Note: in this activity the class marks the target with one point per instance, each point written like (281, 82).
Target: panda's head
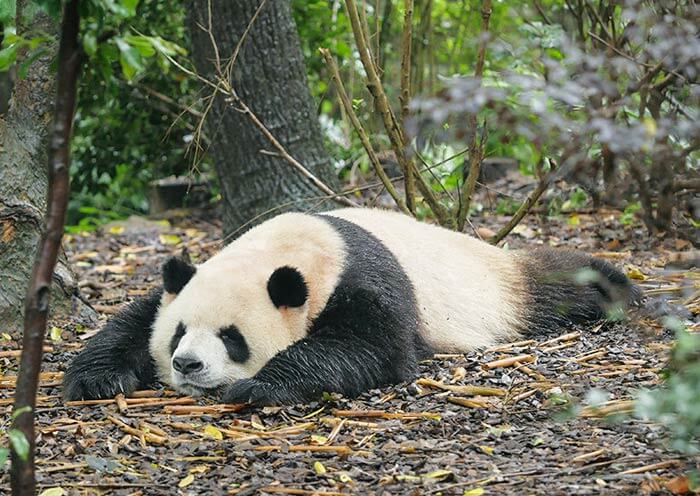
(222, 321)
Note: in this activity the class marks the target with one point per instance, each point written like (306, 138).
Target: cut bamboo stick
(509, 362)
(468, 390)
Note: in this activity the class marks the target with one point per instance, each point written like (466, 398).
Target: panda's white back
(470, 294)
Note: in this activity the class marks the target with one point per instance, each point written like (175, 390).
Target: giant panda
(343, 301)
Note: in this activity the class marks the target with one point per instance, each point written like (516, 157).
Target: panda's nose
(187, 365)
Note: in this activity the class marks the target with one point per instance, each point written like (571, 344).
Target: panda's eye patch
(175, 340)
(236, 347)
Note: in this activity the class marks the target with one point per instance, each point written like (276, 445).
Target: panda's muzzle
(187, 365)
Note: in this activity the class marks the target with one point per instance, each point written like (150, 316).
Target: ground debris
(513, 419)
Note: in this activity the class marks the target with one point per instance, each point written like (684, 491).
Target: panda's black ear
(287, 288)
(176, 273)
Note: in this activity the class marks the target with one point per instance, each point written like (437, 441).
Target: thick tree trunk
(23, 187)
(269, 76)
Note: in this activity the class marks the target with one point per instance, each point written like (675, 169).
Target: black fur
(567, 287)
(287, 288)
(176, 273)
(236, 347)
(366, 337)
(117, 359)
(180, 331)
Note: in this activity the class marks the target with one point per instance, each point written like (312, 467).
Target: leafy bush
(676, 405)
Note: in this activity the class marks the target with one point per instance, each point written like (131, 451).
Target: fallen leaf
(679, 485)
(487, 449)
(186, 481)
(317, 439)
(116, 230)
(438, 474)
(478, 491)
(170, 239)
(635, 273)
(213, 432)
(56, 334)
(319, 468)
(53, 491)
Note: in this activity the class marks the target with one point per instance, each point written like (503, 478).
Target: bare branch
(405, 96)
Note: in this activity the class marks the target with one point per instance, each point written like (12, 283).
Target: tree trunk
(23, 187)
(270, 77)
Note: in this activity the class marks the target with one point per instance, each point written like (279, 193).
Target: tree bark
(23, 187)
(270, 77)
(37, 301)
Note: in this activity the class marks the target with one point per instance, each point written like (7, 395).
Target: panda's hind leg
(117, 359)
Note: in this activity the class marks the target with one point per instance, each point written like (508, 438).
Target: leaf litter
(507, 420)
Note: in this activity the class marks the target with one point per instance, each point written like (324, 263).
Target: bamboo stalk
(360, 130)
(381, 103)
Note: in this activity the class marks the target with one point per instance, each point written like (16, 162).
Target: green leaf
(4, 453)
(130, 6)
(8, 55)
(129, 58)
(8, 9)
(19, 443)
(20, 411)
(90, 44)
(142, 44)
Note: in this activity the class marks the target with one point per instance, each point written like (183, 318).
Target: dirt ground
(468, 425)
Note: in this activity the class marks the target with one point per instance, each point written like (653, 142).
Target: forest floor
(537, 424)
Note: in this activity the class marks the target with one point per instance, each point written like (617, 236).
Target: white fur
(231, 288)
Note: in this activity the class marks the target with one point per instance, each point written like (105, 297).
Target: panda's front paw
(251, 391)
(90, 385)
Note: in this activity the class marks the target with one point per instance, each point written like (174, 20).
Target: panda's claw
(250, 391)
(88, 386)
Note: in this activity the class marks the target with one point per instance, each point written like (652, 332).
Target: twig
(649, 468)
(469, 403)
(532, 198)
(386, 415)
(244, 109)
(360, 130)
(36, 309)
(509, 362)
(476, 150)
(609, 408)
(470, 390)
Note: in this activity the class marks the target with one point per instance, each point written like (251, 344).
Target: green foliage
(676, 405)
(130, 126)
(629, 216)
(125, 135)
(19, 443)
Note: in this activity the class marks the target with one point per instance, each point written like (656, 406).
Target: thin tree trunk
(37, 301)
(270, 77)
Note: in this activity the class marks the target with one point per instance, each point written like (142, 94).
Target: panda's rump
(469, 294)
